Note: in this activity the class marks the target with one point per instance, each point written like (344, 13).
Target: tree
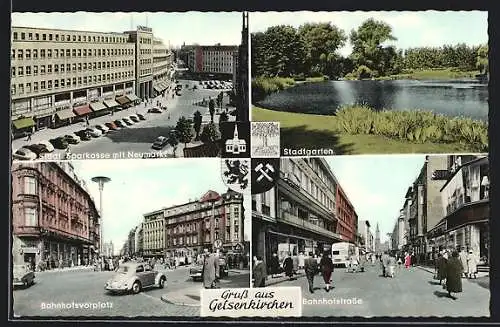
(223, 118)
(197, 123)
(210, 134)
(173, 142)
(211, 109)
(263, 130)
(183, 131)
(482, 62)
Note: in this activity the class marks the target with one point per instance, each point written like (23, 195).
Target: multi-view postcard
(372, 82)
(126, 85)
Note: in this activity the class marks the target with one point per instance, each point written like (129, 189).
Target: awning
(122, 100)
(65, 114)
(111, 103)
(96, 106)
(23, 123)
(82, 110)
(163, 86)
(132, 97)
(157, 88)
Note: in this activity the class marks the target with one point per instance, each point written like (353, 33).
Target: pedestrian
(413, 258)
(326, 265)
(210, 272)
(259, 272)
(29, 137)
(311, 269)
(384, 261)
(454, 275)
(463, 260)
(68, 153)
(472, 262)
(407, 260)
(302, 258)
(441, 268)
(288, 266)
(275, 265)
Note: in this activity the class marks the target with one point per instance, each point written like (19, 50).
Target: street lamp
(100, 180)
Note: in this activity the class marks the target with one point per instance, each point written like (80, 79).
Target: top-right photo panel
(342, 83)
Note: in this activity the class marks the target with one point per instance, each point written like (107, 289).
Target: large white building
(211, 59)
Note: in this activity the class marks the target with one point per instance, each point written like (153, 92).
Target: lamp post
(100, 180)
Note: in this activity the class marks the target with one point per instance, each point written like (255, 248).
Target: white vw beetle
(134, 276)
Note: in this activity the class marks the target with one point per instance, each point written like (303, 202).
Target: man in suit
(210, 269)
(311, 269)
(259, 272)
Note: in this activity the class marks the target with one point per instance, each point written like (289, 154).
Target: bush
(263, 86)
(414, 126)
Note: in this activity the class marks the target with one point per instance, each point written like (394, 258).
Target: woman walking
(441, 268)
(326, 265)
(454, 275)
(288, 266)
(407, 260)
(472, 262)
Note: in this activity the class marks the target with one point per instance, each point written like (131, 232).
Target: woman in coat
(288, 266)
(259, 272)
(326, 266)
(472, 262)
(454, 275)
(407, 260)
(440, 268)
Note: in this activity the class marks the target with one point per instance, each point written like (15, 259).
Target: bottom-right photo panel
(377, 236)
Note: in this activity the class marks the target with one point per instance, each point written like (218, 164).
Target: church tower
(377, 240)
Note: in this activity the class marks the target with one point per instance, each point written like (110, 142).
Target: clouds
(376, 185)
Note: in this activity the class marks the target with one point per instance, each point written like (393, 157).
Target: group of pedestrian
(388, 264)
(451, 269)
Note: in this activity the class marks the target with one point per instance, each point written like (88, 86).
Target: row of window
(146, 51)
(68, 53)
(146, 71)
(31, 220)
(144, 40)
(68, 68)
(30, 36)
(146, 61)
(21, 88)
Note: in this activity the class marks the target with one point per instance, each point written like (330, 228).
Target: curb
(274, 281)
(166, 300)
(64, 270)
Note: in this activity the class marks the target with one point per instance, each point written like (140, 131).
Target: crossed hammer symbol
(264, 172)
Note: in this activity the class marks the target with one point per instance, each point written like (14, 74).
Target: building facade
(347, 218)
(108, 249)
(62, 76)
(368, 241)
(54, 218)
(153, 233)
(299, 214)
(210, 59)
(138, 238)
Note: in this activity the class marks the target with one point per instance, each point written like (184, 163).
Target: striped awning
(111, 103)
(23, 123)
(132, 97)
(123, 100)
(65, 114)
(82, 110)
(96, 106)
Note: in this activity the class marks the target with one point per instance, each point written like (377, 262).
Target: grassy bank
(264, 86)
(434, 74)
(359, 130)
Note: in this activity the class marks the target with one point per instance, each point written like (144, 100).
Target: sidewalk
(75, 268)
(431, 270)
(282, 278)
(187, 297)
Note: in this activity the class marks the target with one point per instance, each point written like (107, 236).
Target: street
(411, 293)
(88, 287)
(135, 140)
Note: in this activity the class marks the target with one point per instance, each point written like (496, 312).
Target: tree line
(312, 50)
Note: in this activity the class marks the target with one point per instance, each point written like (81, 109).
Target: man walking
(311, 269)
(259, 272)
(210, 271)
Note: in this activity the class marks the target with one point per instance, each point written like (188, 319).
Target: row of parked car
(34, 151)
(215, 84)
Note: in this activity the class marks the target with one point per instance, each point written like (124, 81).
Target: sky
(376, 185)
(411, 28)
(140, 186)
(205, 28)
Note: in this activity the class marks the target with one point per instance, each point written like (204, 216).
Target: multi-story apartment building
(347, 218)
(368, 241)
(61, 76)
(398, 232)
(131, 242)
(210, 59)
(108, 249)
(465, 207)
(54, 218)
(163, 60)
(138, 246)
(153, 231)
(299, 213)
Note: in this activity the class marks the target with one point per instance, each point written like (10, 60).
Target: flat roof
(63, 30)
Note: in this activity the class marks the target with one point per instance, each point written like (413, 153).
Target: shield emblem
(265, 174)
(235, 174)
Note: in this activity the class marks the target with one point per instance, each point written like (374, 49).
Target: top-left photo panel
(126, 85)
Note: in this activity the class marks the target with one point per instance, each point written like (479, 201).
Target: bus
(341, 253)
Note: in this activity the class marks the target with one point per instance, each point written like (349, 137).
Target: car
(24, 154)
(155, 110)
(120, 123)
(48, 145)
(196, 270)
(134, 276)
(83, 134)
(103, 128)
(127, 121)
(141, 116)
(59, 142)
(112, 126)
(22, 275)
(134, 118)
(94, 132)
(37, 149)
(72, 139)
(160, 143)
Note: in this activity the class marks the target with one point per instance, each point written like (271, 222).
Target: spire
(235, 132)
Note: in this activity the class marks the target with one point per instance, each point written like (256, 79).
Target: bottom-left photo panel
(124, 238)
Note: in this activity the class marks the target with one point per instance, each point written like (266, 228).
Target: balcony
(26, 230)
(302, 223)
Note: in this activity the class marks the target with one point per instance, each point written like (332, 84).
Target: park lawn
(435, 74)
(317, 131)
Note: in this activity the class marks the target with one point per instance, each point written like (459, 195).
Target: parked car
(120, 123)
(24, 154)
(134, 118)
(59, 142)
(141, 116)
(48, 145)
(126, 121)
(112, 126)
(103, 128)
(155, 110)
(37, 149)
(160, 143)
(196, 271)
(83, 134)
(23, 275)
(94, 132)
(72, 139)
(133, 277)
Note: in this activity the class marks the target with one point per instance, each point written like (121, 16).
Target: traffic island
(189, 297)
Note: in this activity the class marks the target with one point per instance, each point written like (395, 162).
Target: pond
(452, 97)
